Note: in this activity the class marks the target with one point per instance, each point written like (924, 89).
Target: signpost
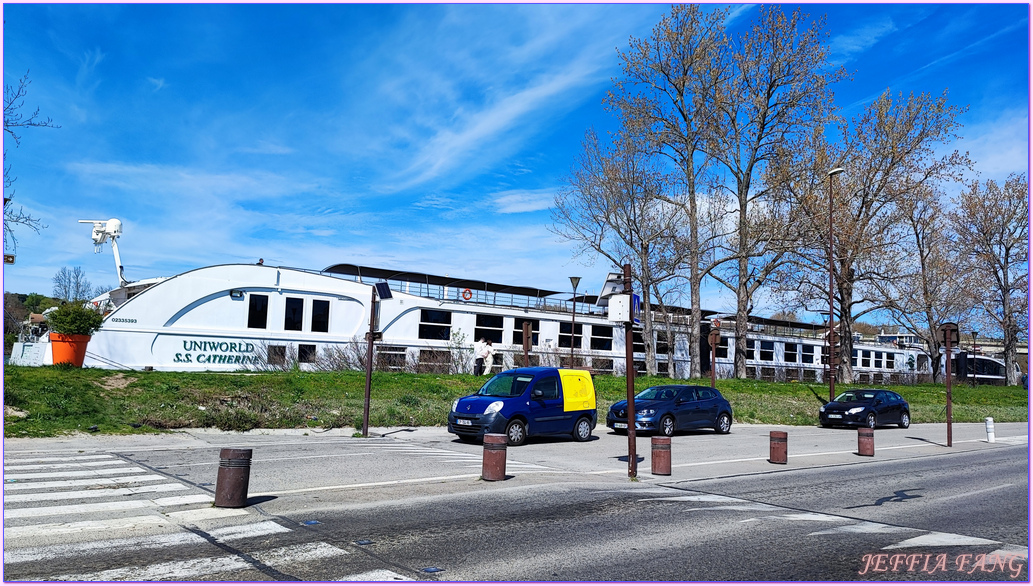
(629, 361)
(949, 335)
(714, 339)
(372, 336)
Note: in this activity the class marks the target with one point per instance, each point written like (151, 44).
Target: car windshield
(657, 394)
(505, 385)
(856, 396)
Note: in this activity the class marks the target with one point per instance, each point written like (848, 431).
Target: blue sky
(428, 138)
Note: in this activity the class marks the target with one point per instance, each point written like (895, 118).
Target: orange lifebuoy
(467, 294)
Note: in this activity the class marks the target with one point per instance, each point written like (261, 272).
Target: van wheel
(516, 433)
(583, 430)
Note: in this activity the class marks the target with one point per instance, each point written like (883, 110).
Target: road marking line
(376, 576)
(1011, 550)
(97, 493)
(250, 530)
(222, 534)
(967, 494)
(194, 515)
(71, 473)
(62, 466)
(369, 484)
(935, 538)
(305, 552)
(84, 526)
(865, 527)
(105, 506)
(180, 569)
(35, 554)
(254, 461)
(9, 486)
(704, 498)
(69, 458)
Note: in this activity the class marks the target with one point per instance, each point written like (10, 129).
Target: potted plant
(71, 326)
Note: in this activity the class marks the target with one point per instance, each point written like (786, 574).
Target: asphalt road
(409, 504)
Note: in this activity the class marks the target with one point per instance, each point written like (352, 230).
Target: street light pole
(832, 268)
(573, 315)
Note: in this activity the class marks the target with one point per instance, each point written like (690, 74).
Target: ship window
(889, 360)
(722, 348)
(808, 354)
(489, 327)
(790, 352)
(662, 345)
(767, 350)
(564, 341)
(435, 324)
(602, 338)
(306, 352)
(293, 314)
(518, 331)
(638, 345)
(320, 315)
(276, 355)
(257, 311)
(878, 360)
(866, 358)
(751, 353)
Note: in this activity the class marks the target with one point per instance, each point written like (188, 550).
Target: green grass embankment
(54, 400)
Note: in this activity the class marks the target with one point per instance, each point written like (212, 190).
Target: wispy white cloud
(524, 200)
(157, 83)
(844, 48)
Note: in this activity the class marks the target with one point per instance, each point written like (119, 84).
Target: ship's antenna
(102, 231)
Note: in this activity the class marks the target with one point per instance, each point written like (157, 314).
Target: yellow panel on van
(578, 390)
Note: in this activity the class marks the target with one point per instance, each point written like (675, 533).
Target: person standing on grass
(478, 353)
(489, 357)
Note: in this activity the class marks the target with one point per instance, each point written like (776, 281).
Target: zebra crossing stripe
(223, 534)
(182, 569)
(89, 494)
(71, 473)
(44, 529)
(107, 506)
(194, 515)
(935, 539)
(59, 459)
(376, 576)
(865, 527)
(59, 466)
(10, 486)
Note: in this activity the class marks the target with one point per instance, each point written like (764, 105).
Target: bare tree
(889, 153)
(774, 85)
(72, 285)
(612, 207)
(14, 120)
(667, 94)
(926, 293)
(992, 224)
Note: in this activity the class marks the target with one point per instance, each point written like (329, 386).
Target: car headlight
(493, 408)
(647, 413)
(820, 409)
(455, 405)
(855, 410)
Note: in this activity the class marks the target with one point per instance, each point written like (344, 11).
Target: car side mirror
(537, 393)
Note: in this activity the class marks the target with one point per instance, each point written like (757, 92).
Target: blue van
(527, 402)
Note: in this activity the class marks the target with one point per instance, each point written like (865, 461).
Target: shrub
(74, 319)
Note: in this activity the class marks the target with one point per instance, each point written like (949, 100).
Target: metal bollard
(990, 437)
(660, 462)
(493, 464)
(779, 447)
(231, 484)
(865, 441)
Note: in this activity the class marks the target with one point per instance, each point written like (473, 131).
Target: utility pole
(629, 358)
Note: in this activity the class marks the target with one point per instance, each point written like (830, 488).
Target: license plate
(833, 416)
(620, 426)
(464, 422)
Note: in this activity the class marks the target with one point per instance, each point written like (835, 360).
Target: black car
(867, 408)
(669, 408)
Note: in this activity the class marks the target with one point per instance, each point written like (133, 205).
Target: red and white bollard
(779, 447)
(493, 464)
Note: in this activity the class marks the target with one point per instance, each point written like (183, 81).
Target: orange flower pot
(69, 348)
